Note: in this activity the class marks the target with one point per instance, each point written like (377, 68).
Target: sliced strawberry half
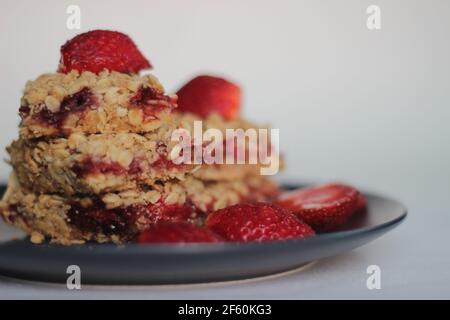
(257, 222)
(177, 232)
(205, 95)
(98, 50)
(324, 208)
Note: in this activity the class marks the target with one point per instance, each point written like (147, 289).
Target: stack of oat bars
(93, 161)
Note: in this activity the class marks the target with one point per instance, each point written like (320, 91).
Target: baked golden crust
(119, 217)
(95, 163)
(60, 104)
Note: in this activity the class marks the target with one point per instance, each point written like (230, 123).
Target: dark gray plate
(164, 264)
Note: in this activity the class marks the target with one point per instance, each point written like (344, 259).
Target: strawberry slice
(177, 232)
(204, 95)
(324, 208)
(102, 49)
(257, 222)
(361, 205)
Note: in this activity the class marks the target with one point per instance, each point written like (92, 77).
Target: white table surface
(367, 107)
(414, 260)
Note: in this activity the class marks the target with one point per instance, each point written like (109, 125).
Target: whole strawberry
(177, 232)
(205, 95)
(324, 208)
(102, 49)
(257, 222)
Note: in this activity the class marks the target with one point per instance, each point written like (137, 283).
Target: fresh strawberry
(177, 232)
(361, 205)
(324, 208)
(204, 95)
(257, 222)
(102, 49)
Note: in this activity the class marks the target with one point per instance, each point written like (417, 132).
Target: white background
(368, 107)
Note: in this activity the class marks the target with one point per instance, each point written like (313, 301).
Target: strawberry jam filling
(24, 111)
(78, 103)
(90, 166)
(12, 218)
(152, 102)
(96, 218)
(125, 222)
(135, 166)
(163, 162)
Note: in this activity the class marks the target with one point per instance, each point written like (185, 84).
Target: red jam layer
(124, 221)
(13, 217)
(90, 166)
(163, 162)
(152, 101)
(78, 102)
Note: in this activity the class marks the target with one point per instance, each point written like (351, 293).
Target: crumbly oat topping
(114, 108)
(94, 163)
